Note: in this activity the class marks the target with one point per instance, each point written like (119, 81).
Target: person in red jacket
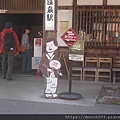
(8, 55)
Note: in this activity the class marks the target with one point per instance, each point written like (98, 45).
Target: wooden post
(105, 22)
(62, 56)
(75, 16)
(104, 2)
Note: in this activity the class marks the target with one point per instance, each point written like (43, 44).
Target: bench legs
(114, 77)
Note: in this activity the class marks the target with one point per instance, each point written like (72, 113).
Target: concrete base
(70, 96)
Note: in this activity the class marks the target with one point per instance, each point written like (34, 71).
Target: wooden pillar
(105, 21)
(104, 2)
(75, 16)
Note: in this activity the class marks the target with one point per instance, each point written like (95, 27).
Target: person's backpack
(9, 43)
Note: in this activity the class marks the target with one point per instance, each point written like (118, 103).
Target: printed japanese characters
(50, 68)
(49, 14)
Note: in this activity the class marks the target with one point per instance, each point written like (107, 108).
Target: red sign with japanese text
(69, 37)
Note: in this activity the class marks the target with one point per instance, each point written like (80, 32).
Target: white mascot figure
(50, 68)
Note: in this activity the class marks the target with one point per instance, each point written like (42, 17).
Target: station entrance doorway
(20, 21)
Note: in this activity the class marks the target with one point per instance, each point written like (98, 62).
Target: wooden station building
(98, 25)
(97, 22)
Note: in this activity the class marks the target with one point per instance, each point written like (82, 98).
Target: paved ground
(27, 107)
(24, 95)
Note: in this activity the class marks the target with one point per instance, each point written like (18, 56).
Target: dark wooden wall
(18, 6)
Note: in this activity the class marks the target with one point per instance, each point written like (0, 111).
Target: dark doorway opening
(20, 21)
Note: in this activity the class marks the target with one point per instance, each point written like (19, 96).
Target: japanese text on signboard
(69, 37)
(49, 14)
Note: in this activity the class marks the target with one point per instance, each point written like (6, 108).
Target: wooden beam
(65, 7)
(25, 11)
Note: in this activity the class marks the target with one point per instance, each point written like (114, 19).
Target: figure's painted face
(50, 47)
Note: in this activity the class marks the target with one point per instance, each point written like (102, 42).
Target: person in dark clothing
(8, 55)
(27, 55)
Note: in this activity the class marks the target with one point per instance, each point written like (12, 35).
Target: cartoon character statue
(50, 68)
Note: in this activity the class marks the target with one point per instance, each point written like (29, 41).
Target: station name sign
(49, 15)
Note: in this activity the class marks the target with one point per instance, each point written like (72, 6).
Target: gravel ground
(109, 95)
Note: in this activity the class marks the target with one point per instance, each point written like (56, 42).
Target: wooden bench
(107, 61)
(77, 68)
(104, 71)
(91, 60)
(116, 68)
(77, 72)
(90, 70)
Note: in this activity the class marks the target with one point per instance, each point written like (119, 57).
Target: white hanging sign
(3, 11)
(37, 47)
(49, 14)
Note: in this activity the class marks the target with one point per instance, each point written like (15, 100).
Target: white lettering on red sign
(69, 37)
